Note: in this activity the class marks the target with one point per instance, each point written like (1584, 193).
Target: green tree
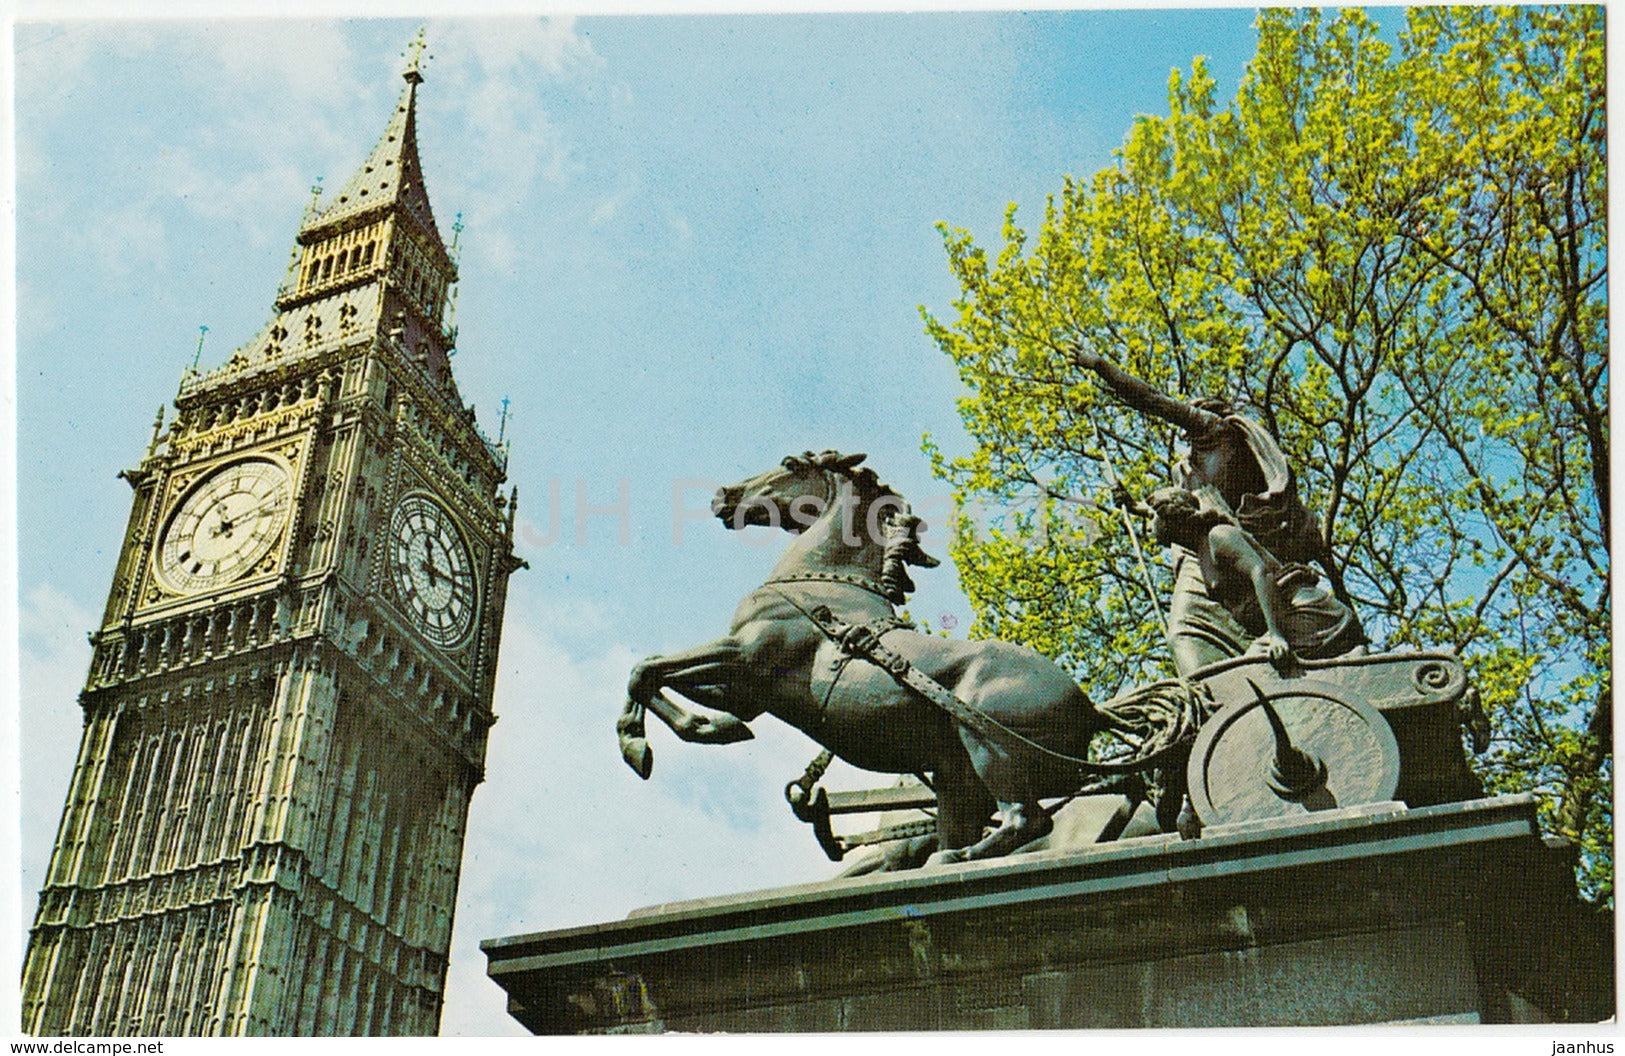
(1396, 257)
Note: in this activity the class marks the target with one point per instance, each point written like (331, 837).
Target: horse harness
(863, 641)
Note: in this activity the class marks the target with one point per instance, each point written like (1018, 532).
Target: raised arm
(1141, 396)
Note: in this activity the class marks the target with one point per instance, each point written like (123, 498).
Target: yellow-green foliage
(1395, 256)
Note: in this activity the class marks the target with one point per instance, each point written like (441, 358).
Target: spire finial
(415, 57)
(202, 332)
(157, 429)
(315, 199)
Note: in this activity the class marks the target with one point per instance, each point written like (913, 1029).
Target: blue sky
(691, 245)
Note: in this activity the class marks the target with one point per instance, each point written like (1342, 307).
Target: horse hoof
(728, 729)
(638, 755)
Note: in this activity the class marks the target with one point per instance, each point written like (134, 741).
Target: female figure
(1235, 466)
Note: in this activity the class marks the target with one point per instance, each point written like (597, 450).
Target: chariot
(995, 730)
(1266, 741)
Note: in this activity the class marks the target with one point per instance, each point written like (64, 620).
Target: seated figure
(1234, 464)
(1266, 606)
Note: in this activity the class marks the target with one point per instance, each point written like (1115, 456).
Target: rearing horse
(855, 537)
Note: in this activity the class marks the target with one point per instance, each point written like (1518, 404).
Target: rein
(862, 640)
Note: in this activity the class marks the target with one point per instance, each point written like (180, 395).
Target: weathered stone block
(1455, 913)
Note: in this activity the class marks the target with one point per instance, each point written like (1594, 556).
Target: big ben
(290, 688)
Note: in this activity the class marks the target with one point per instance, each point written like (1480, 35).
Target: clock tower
(290, 688)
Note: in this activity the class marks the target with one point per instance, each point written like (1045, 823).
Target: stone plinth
(1456, 913)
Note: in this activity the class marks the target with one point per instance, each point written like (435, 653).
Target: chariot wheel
(1297, 749)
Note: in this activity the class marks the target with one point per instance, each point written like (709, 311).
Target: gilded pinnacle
(414, 57)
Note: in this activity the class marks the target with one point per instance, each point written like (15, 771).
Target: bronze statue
(820, 646)
(1274, 608)
(1236, 466)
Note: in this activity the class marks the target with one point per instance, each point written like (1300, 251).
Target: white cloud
(254, 198)
(52, 58)
(300, 64)
(126, 239)
(491, 88)
(120, 82)
(53, 658)
(45, 313)
(503, 46)
(501, 253)
(610, 208)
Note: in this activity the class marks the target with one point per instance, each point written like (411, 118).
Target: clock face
(431, 570)
(225, 526)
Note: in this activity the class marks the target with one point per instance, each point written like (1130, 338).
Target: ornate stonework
(282, 732)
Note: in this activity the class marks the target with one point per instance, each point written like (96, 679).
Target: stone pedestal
(1457, 913)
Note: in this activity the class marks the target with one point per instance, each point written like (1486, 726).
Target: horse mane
(866, 479)
(899, 525)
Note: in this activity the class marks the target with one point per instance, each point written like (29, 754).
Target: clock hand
(428, 559)
(224, 527)
(227, 523)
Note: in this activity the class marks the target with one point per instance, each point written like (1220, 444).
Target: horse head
(792, 495)
(845, 515)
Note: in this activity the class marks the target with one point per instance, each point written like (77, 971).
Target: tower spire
(371, 260)
(392, 176)
(314, 202)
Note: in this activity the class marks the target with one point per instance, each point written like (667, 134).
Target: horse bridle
(832, 492)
